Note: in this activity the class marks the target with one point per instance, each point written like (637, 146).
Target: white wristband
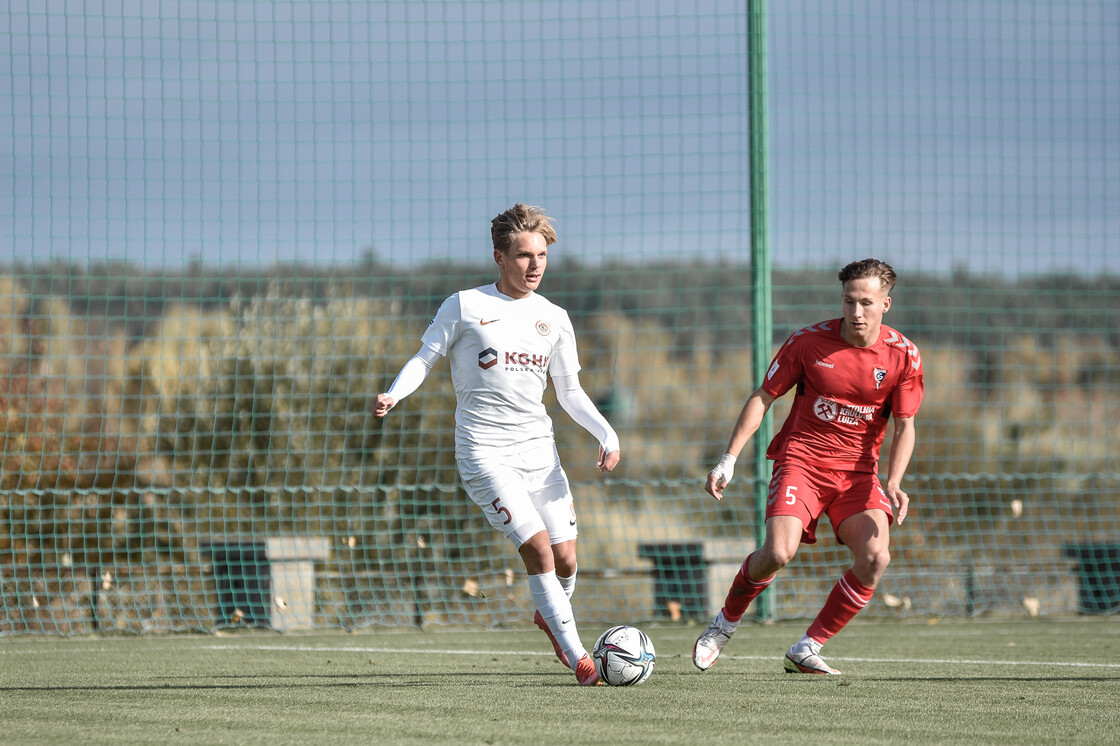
(725, 469)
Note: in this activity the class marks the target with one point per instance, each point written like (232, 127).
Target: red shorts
(806, 492)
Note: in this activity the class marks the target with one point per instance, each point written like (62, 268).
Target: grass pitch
(990, 682)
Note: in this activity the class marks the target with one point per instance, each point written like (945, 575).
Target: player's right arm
(440, 336)
(408, 380)
(750, 418)
(783, 374)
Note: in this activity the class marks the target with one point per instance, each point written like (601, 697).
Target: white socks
(552, 602)
(568, 584)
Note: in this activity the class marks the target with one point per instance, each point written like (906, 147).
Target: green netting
(229, 222)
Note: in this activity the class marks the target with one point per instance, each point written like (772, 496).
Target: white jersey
(501, 350)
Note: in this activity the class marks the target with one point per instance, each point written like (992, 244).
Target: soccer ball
(623, 656)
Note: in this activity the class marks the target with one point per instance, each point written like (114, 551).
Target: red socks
(847, 598)
(744, 589)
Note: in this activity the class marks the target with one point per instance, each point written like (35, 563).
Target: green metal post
(763, 323)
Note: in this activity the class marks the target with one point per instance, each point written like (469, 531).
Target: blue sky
(978, 134)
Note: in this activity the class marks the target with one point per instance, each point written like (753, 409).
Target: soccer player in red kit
(851, 376)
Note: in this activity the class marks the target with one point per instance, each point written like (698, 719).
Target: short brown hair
(520, 219)
(865, 269)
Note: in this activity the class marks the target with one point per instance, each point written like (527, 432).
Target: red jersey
(845, 395)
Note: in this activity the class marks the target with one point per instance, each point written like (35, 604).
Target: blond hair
(520, 219)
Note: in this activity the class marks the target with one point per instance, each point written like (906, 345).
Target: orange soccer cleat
(586, 674)
(540, 622)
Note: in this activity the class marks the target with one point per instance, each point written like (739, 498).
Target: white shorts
(523, 494)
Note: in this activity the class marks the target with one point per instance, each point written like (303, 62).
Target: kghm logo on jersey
(543, 328)
(488, 358)
(880, 374)
(517, 361)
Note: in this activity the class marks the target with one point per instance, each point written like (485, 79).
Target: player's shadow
(966, 679)
(852, 681)
(326, 681)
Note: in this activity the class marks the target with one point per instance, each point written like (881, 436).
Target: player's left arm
(902, 448)
(580, 408)
(563, 367)
(905, 401)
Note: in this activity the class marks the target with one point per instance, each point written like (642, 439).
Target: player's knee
(870, 567)
(771, 559)
(565, 566)
(564, 554)
(537, 556)
(783, 557)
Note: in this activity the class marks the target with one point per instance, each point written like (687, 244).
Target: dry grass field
(126, 444)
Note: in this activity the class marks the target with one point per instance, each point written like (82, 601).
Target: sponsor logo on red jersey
(826, 409)
(844, 414)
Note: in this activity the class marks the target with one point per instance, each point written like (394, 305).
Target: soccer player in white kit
(503, 340)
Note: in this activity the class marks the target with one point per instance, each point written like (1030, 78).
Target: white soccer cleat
(710, 644)
(805, 657)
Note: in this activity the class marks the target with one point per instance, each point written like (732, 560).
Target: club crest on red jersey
(880, 374)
